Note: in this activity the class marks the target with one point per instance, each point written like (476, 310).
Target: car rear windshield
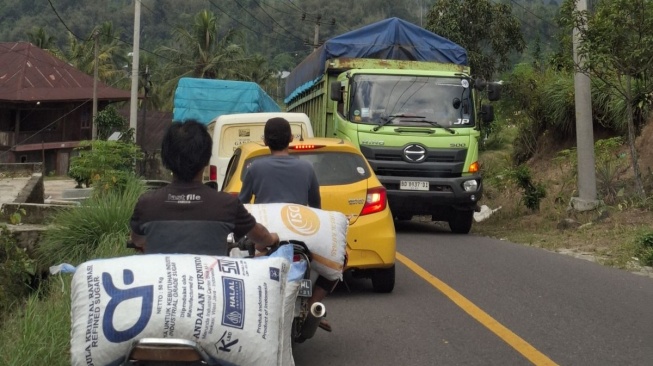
(331, 168)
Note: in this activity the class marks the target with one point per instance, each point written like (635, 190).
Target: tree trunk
(639, 187)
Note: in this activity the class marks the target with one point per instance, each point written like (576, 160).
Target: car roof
(329, 144)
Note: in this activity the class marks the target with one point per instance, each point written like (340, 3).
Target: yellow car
(347, 185)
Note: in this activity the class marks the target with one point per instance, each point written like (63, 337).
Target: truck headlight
(470, 185)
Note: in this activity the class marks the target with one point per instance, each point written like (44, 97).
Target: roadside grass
(608, 235)
(39, 332)
(76, 234)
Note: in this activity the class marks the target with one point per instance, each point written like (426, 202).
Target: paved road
(466, 300)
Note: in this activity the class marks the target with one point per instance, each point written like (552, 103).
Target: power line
(282, 11)
(62, 22)
(258, 20)
(243, 25)
(275, 22)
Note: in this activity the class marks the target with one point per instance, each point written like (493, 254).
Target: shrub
(533, 192)
(644, 248)
(16, 271)
(107, 121)
(104, 163)
(38, 333)
(78, 233)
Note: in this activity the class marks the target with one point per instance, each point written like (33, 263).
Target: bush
(16, 271)
(644, 248)
(533, 192)
(78, 233)
(104, 163)
(38, 333)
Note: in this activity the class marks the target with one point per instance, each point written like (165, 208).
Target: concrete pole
(133, 117)
(316, 36)
(96, 35)
(586, 199)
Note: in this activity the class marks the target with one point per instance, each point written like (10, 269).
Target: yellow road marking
(516, 342)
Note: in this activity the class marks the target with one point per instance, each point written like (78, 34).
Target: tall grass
(77, 233)
(39, 333)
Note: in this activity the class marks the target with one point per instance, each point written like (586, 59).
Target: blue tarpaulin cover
(389, 39)
(206, 99)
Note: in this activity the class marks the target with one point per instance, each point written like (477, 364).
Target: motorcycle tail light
(213, 172)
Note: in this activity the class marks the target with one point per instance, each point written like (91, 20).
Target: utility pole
(316, 35)
(586, 199)
(133, 107)
(96, 35)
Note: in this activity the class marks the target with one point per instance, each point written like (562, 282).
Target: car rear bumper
(371, 242)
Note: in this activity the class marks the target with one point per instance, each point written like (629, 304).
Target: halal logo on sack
(300, 219)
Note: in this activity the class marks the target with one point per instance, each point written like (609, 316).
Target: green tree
(41, 39)
(112, 54)
(202, 53)
(616, 43)
(108, 120)
(488, 31)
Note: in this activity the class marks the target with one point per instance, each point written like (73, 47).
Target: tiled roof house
(45, 106)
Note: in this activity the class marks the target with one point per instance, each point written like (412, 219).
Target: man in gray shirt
(281, 178)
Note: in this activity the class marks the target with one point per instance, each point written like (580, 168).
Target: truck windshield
(377, 98)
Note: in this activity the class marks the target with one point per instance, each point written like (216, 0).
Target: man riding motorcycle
(186, 216)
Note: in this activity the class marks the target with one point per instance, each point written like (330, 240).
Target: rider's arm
(138, 241)
(262, 237)
(245, 195)
(314, 199)
(136, 236)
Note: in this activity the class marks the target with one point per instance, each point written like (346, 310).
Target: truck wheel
(460, 222)
(383, 280)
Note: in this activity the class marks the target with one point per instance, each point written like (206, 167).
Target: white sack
(324, 232)
(231, 306)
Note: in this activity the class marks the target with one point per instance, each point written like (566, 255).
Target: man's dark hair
(186, 149)
(277, 133)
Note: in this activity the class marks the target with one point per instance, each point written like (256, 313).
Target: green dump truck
(405, 96)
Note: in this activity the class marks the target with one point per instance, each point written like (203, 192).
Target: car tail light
(305, 147)
(474, 167)
(375, 201)
(213, 172)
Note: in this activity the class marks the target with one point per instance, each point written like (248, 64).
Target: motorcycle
(306, 317)
(175, 351)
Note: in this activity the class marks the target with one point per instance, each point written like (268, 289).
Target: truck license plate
(414, 185)
(305, 288)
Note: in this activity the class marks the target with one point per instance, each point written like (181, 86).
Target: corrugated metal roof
(28, 73)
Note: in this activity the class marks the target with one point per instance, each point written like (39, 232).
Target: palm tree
(201, 53)
(44, 41)
(112, 55)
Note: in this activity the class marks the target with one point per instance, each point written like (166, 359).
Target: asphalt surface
(528, 306)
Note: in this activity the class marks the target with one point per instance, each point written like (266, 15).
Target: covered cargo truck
(206, 99)
(406, 98)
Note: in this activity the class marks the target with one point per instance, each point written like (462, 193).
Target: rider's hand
(275, 242)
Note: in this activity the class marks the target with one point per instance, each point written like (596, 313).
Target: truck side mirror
(493, 92)
(487, 113)
(336, 91)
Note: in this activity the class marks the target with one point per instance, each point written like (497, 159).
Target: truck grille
(438, 163)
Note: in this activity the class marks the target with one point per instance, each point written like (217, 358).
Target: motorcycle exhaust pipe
(317, 312)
